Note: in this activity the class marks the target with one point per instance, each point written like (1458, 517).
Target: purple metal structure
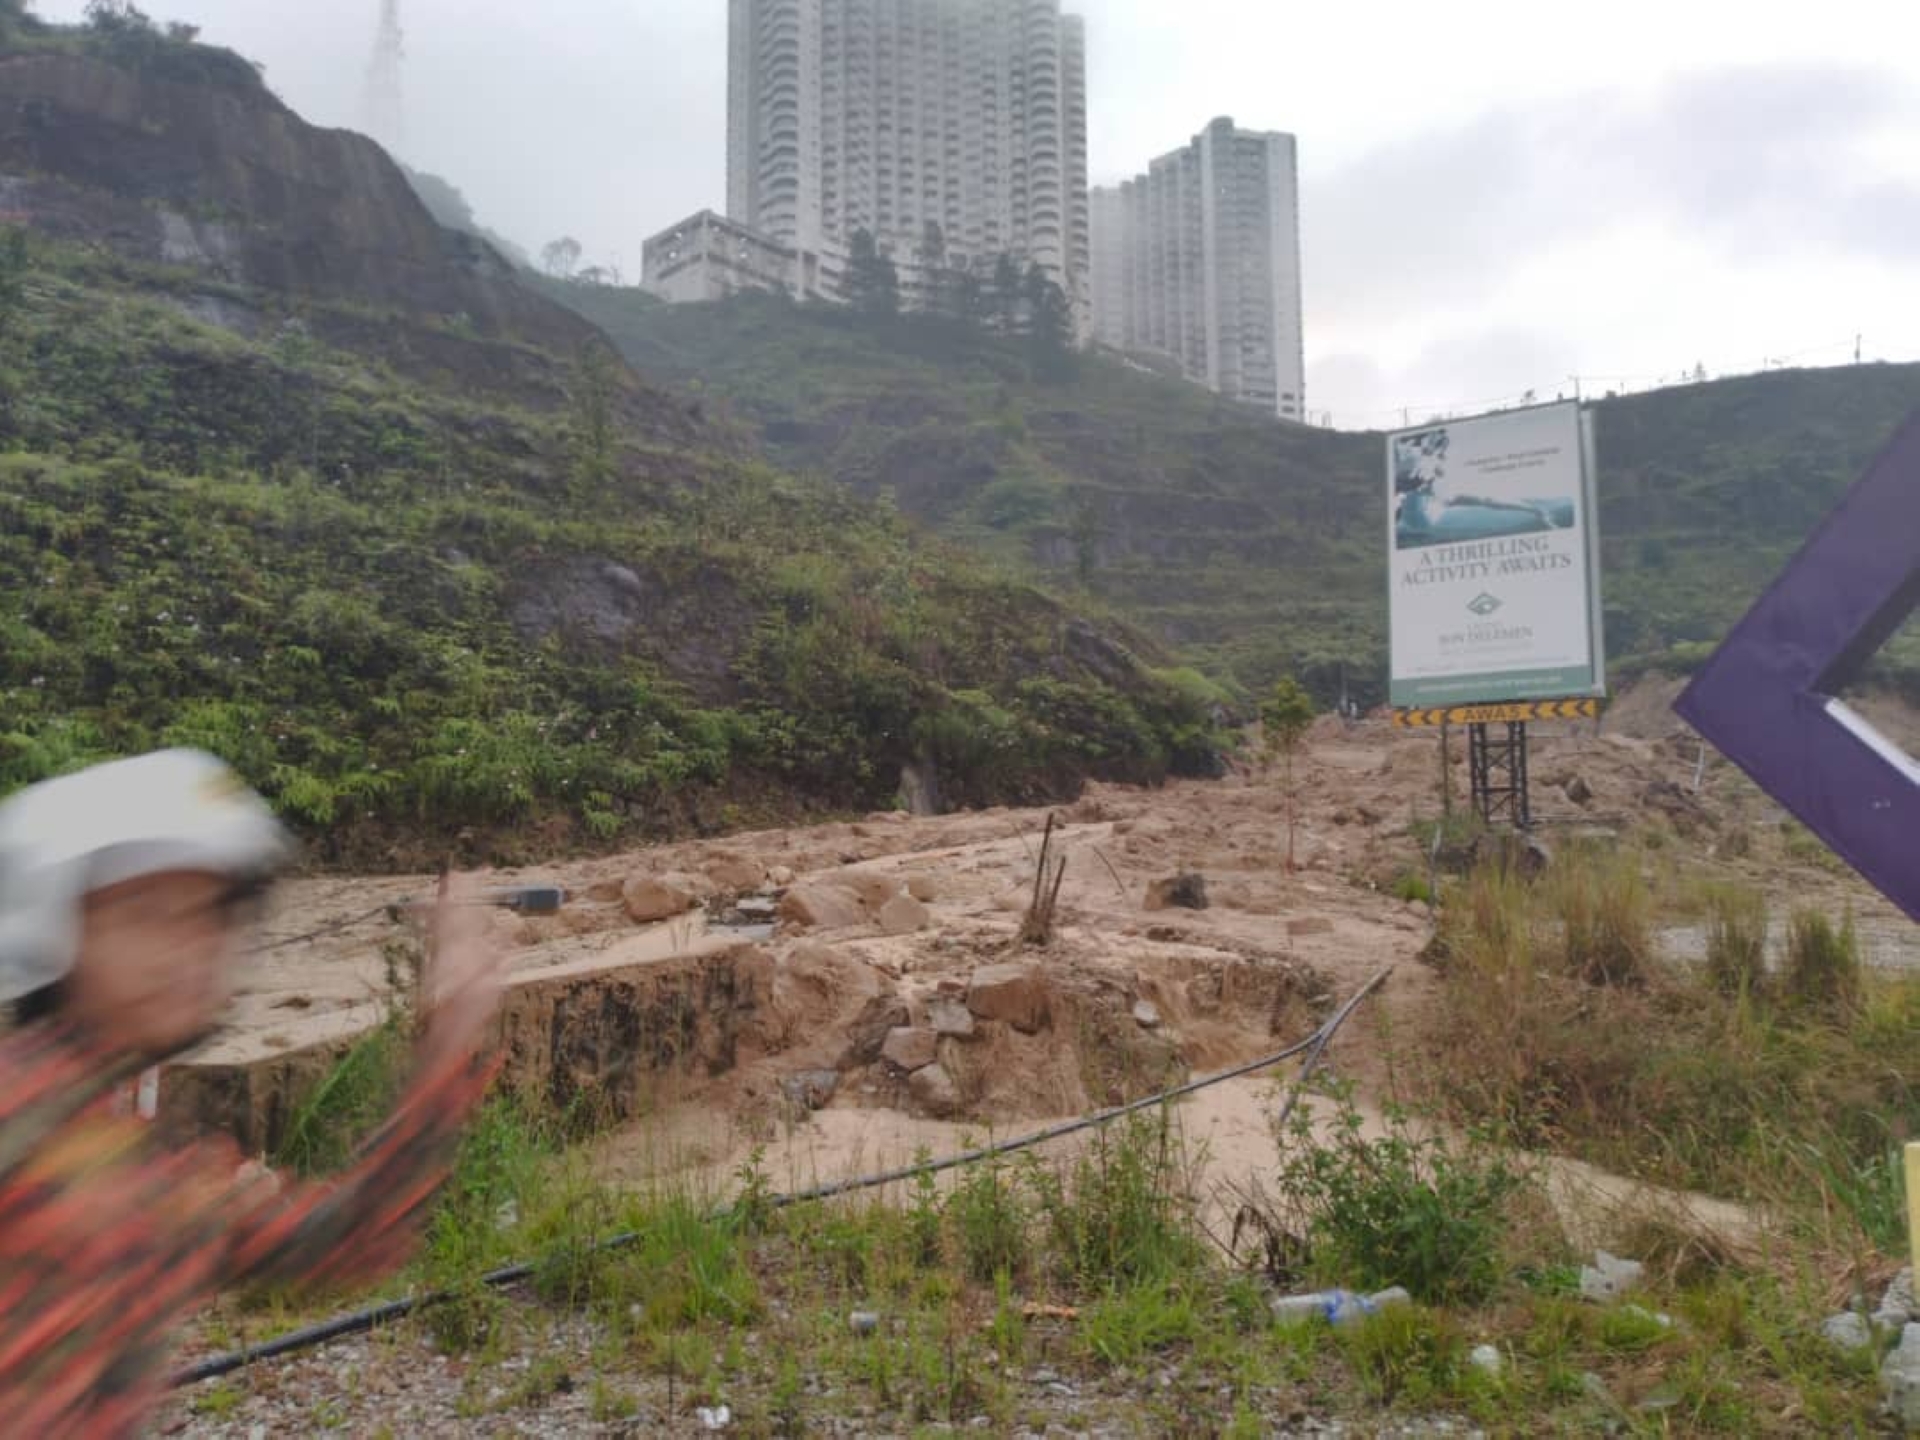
(1768, 698)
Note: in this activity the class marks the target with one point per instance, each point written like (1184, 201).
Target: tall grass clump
(1119, 1213)
(1822, 971)
(1791, 1090)
(1737, 941)
(1602, 914)
(340, 1111)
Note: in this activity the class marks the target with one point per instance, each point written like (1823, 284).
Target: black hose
(360, 1321)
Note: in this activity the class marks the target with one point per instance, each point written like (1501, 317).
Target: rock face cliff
(209, 170)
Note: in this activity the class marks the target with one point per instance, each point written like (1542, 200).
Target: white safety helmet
(64, 838)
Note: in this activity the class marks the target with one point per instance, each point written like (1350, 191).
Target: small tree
(595, 384)
(13, 275)
(1008, 294)
(13, 18)
(969, 299)
(1049, 320)
(560, 258)
(1285, 714)
(873, 281)
(932, 252)
(1086, 539)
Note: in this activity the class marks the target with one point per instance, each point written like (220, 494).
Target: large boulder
(652, 898)
(1011, 994)
(821, 905)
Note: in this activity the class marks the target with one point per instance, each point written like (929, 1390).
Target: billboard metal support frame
(1500, 790)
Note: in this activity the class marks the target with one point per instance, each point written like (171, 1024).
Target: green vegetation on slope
(1247, 544)
(1250, 544)
(414, 582)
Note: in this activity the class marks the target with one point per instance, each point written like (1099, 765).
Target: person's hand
(460, 986)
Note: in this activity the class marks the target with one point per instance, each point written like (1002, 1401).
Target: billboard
(1494, 560)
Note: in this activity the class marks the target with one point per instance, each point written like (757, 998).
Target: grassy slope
(1250, 544)
(366, 557)
(1244, 543)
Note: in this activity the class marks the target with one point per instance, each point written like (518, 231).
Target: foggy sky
(1492, 202)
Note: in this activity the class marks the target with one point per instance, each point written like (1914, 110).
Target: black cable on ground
(359, 1321)
(331, 928)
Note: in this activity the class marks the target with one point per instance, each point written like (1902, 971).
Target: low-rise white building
(709, 257)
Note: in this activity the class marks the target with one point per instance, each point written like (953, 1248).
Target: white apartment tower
(898, 116)
(1199, 259)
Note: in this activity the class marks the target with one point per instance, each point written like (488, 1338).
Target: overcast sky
(1497, 194)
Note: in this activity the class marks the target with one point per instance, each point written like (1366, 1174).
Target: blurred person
(125, 895)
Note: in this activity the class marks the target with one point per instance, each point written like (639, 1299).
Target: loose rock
(863, 1322)
(652, 898)
(1900, 1379)
(822, 906)
(1487, 1358)
(874, 889)
(811, 1089)
(1183, 892)
(908, 1048)
(1847, 1331)
(1012, 994)
(935, 1092)
(950, 1017)
(1146, 1015)
(734, 875)
(1897, 1305)
(904, 915)
(867, 1036)
(1579, 792)
(1609, 1277)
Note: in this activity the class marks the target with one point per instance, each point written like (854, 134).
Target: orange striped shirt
(109, 1236)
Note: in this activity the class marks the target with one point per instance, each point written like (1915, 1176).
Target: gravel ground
(556, 1384)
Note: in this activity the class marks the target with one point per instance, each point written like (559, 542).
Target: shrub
(1397, 1209)
(1409, 886)
(991, 1222)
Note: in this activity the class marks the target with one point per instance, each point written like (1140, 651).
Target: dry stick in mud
(1119, 885)
(360, 1321)
(1036, 928)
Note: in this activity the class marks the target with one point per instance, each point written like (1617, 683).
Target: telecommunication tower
(386, 114)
